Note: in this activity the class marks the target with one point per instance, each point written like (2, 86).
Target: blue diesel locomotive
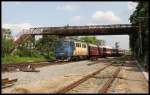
(64, 50)
(70, 50)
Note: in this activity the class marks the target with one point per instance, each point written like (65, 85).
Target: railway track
(98, 81)
(8, 82)
(107, 85)
(34, 65)
(23, 66)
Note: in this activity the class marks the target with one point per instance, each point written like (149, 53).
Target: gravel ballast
(50, 78)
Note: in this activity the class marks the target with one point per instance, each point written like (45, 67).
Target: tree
(92, 40)
(100, 42)
(89, 40)
(7, 42)
(140, 15)
(46, 45)
(116, 44)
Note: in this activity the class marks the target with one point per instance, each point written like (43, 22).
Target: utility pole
(146, 59)
(140, 19)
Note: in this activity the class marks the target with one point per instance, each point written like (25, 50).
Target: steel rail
(13, 66)
(109, 82)
(76, 83)
(7, 83)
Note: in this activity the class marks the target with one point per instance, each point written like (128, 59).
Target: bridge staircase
(24, 35)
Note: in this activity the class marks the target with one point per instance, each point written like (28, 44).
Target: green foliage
(100, 42)
(46, 46)
(6, 31)
(27, 52)
(142, 10)
(92, 40)
(128, 52)
(16, 59)
(7, 42)
(51, 56)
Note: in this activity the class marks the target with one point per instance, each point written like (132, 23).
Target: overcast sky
(23, 15)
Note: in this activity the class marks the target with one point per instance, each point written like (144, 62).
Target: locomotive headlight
(61, 53)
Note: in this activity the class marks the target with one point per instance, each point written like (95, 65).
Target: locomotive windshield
(62, 43)
(66, 43)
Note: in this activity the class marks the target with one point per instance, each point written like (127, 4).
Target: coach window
(79, 45)
(82, 45)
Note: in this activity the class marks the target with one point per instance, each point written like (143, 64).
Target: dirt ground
(129, 80)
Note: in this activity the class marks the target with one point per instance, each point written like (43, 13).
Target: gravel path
(132, 81)
(49, 78)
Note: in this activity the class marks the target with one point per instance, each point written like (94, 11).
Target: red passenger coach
(93, 51)
(100, 51)
(107, 51)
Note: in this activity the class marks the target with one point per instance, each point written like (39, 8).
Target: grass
(16, 59)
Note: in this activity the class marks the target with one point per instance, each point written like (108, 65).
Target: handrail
(38, 30)
(87, 27)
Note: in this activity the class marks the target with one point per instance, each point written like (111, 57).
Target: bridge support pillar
(33, 41)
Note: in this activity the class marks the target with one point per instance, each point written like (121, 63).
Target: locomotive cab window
(79, 45)
(66, 43)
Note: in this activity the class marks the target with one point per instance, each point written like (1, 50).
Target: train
(67, 50)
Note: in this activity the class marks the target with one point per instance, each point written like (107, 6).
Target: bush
(52, 56)
(16, 59)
